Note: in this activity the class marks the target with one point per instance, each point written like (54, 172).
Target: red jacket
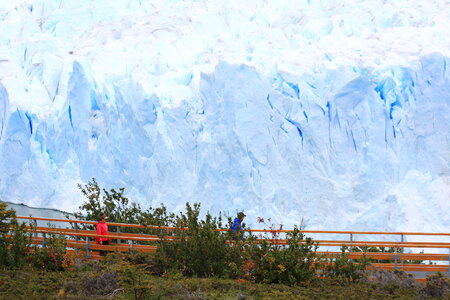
(102, 229)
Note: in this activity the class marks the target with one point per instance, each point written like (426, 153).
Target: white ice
(332, 111)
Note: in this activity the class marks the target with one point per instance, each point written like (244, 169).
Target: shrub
(16, 248)
(238, 263)
(15, 239)
(134, 280)
(294, 263)
(204, 251)
(116, 206)
(201, 251)
(437, 285)
(100, 282)
(147, 260)
(119, 209)
(395, 278)
(343, 267)
(6, 217)
(52, 254)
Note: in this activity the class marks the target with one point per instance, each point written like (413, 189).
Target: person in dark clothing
(102, 229)
(237, 226)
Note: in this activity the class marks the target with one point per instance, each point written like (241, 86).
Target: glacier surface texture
(332, 111)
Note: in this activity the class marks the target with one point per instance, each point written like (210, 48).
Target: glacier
(335, 113)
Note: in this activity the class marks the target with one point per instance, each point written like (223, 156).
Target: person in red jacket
(102, 229)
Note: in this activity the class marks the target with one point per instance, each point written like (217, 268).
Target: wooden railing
(82, 239)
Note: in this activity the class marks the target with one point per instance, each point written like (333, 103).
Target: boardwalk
(435, 255)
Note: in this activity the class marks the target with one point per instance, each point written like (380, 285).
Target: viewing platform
(424, 257)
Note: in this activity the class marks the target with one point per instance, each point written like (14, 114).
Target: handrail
(389, 255)
(68, 231)
(109, 236)
(109, 224)
(377, 232)
(336, 243)
(123, 235)
(249, 230)
(370, 243)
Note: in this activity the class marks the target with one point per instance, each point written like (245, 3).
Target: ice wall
(335, 113)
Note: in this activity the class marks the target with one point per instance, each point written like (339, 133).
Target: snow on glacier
(335, 112)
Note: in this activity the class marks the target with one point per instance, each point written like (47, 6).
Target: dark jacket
(237, 225)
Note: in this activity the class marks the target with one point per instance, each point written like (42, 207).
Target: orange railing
(81, 239)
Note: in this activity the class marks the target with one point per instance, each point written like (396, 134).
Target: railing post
(87, 247)
(402, 239)
(131, 245)
(77, 238)
(35, 226)
(351, 242)
(118, 231)
(44, 242)
(395, 258)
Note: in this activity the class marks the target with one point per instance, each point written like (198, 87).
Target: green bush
(342, 267)
(128, 276)
(391, 280)
(119, 209)
(237, 259)
(15, 240)
(148, 260)
(134, 279)
(51, 255)
(16, 249)
(99, 280)
(201, 251)
(113, 203)
(204, 251)
(294, 263)
(437, 285)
